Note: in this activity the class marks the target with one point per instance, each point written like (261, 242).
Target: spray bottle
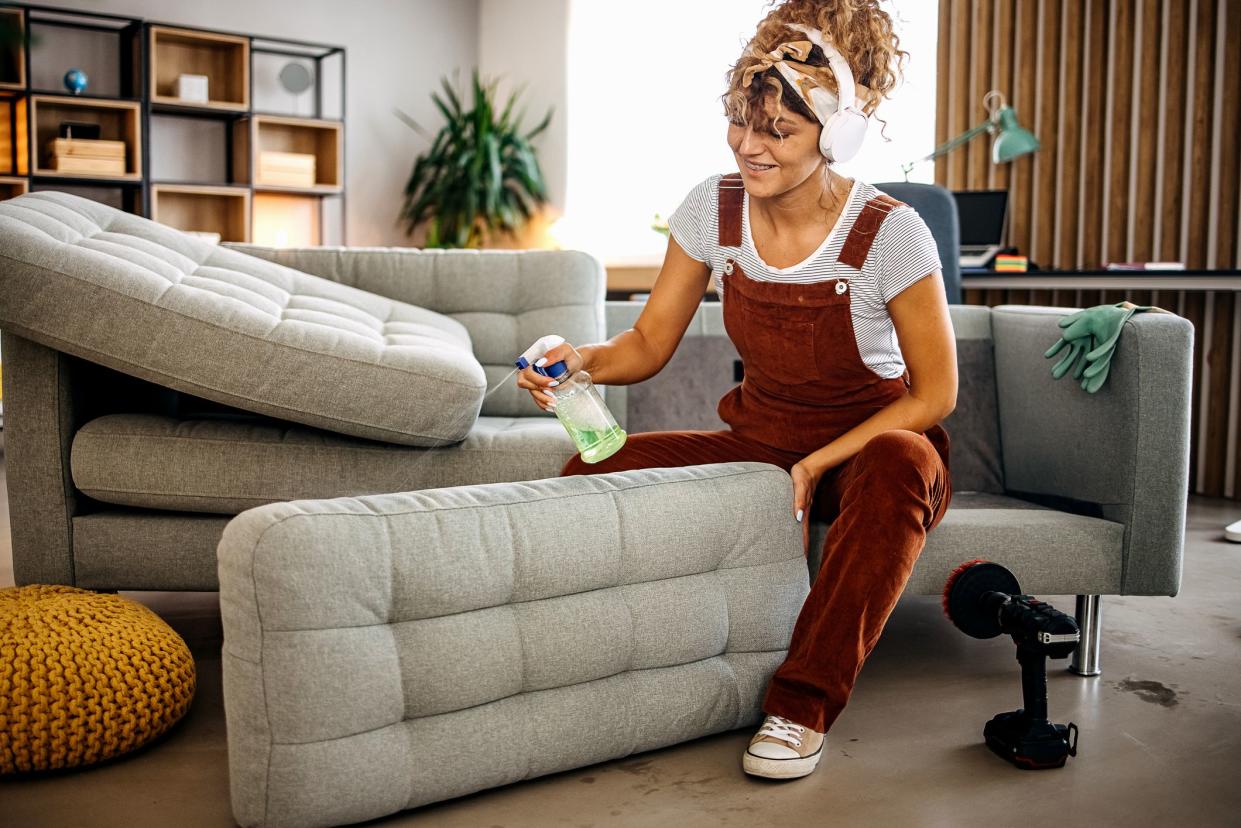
(579, 407)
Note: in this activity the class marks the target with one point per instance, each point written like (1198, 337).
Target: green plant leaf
(480, 173)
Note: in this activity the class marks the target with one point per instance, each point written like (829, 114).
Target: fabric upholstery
(148, 300)
(229, 465)
(506, 299)
(363, 636)
(41, 415)
(1125, 447)
(145, 550)
(1051, 552)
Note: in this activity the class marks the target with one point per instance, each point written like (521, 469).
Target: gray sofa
(128, 451)
(387, 651)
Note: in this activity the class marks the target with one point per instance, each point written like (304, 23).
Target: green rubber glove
(1092, 334)
(1077, 348)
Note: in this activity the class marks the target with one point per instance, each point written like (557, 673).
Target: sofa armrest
(363, 636)
(505, 298)
(39, 422)
(1123, 450)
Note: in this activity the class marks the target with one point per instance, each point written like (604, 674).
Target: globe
(75, 81)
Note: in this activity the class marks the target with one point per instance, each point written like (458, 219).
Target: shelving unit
(224, 59)
(12, 186)
(134, 99)
(269, 133)
(13, 59)
(118, 121)
(203, 208)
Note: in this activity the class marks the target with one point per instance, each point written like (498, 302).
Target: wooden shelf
(13, 58)
(11, 186)
(201, 207)
(319, 138)
(224, 59)
(118, 120)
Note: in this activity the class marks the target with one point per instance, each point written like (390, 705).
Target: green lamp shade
(1013, 140)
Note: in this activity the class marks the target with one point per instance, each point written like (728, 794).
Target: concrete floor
(1160, 734)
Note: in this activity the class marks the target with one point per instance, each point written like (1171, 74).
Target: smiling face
(774, 154)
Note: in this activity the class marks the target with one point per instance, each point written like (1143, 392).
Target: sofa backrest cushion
(506, 299)
(974, 425)
(145, 299)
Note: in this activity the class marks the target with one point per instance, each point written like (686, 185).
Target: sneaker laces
(782, 729)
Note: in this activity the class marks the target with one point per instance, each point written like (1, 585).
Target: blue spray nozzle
(556, 369)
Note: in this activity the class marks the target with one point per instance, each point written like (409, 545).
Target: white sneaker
(1232, 532)
(782, 749)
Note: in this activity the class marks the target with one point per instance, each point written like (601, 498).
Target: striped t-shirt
(903, 252)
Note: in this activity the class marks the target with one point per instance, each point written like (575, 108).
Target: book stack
(286, 169)
(1007, 263)
(87, 155)
(1145, 265)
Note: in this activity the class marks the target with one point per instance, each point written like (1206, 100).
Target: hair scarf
(790, 60)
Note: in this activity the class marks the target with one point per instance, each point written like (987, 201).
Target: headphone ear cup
(843, 135)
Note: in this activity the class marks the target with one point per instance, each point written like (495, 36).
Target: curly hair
(859, 29)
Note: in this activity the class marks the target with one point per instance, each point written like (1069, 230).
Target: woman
(819, 276)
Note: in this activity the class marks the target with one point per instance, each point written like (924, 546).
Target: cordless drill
(983, 600)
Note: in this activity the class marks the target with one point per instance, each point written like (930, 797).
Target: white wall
(396, 51)
(526, 42)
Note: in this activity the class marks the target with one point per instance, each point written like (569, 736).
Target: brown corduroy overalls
(805, 385)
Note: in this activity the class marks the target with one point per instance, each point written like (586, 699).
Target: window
(645, 121)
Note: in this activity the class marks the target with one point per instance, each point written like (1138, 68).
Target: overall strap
(865, 228)
(732, 190)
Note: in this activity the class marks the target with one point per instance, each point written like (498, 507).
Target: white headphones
(845, 128)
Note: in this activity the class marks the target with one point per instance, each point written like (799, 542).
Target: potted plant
(480, 175)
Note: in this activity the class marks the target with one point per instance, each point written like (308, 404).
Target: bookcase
(259, 158)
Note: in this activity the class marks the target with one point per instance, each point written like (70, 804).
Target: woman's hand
(805, 481)
(538, 385)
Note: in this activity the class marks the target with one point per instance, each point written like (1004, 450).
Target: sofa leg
(1085, 659)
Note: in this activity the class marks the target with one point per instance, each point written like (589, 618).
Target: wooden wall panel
(1069, 133)
(1149, 81)
(1202, 43)
(1137, 105)
(1094, 135)
(1174, 55)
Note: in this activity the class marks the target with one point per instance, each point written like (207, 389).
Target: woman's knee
(900, 447)
(899, 459)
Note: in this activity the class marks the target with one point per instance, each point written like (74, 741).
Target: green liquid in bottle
(596, 445)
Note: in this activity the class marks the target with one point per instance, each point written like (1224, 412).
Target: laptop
(982, 216)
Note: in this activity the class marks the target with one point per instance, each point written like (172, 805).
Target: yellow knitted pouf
(84, 677)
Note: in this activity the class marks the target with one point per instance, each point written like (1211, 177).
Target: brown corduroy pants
(881, 503)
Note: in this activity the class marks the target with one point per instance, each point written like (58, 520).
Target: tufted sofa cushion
(387, 651)
(148, 300)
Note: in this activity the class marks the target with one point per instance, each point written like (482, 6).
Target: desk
(1211, 300)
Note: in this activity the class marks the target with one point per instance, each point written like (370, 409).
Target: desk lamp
(1011, 139)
